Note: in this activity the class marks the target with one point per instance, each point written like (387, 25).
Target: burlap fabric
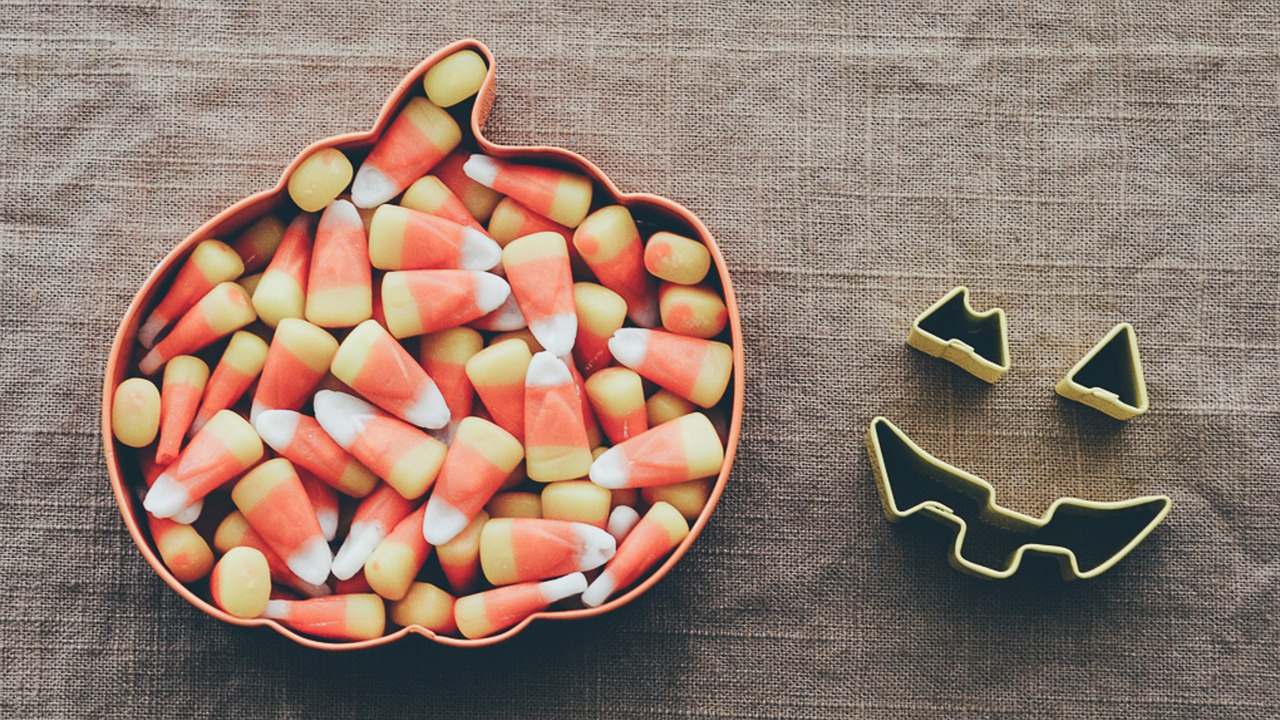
(1077, 164)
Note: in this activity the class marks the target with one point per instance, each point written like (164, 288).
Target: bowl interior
(651, 213)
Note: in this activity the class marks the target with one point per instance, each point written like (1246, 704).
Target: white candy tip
(167, 497)
(312, 562)
(149, 331)
(629, 346)
(371, 187)
(441, 522)
(563, 587)
(491, 292)
(610, 469)
(481, 168)
(190, 513)
(341, 415)
(599, 590)
(150, 364)
(547, 370)
(479, 251)
(598, 547)
(343, 212)
(556, 333)
(356, 549)
(328, 524)
(276, 427)
(429, 410)
(621, 521)
(276, 609)
(506, 318)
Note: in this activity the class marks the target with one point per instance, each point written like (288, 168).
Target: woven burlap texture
(1078, 164)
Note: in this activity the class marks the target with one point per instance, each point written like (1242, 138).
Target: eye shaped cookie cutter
(951, 329)
(1086, 537)
(1109, 377)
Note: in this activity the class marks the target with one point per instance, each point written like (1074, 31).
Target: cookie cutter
(951, 329)
(1087, 537)
(1109, 377)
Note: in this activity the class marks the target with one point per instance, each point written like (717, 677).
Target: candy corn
(135, 412)
(301, 439)
(258, 242)
(324, 500)
(420, 136)
(241, 583)
(692, 368)
(514, 550)
(151, 471)
(455, 78)
(353, 585)
(696, 311)
(431, 196)
(595, 438)
(577, 501)
(478, 199)
(676, 258)
(404, 239)
(222, 311)
(399, 453)
(479, 460)
(561, 196)
(686, 448)
(417, 302)
(610, 244)
(272, 499)
(687, 497)
(373, 364)
(622, 520)
(282, 291)
(498, 375)
(339, 284)
(240, 365)
(337, 617)
(460, 557)
(234, 531)
(427, 606)
(556, 446)
(496, 610)
(319, 179)
(184, 381)
(184, 552)
(224, 448)
(656, 535)
(444, 356)
(617, 396)
(601, 312)
(375, 517)
(537, 268)
(396, 561)
(665, 405)
(211, 263)
(507, 317)
(297, 360)
(512, 220)
(514, 505)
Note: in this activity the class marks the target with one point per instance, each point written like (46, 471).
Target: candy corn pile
(446, 352)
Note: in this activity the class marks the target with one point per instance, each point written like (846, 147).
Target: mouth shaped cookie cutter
(1109, 377)
(1086, 537)
(951, 329)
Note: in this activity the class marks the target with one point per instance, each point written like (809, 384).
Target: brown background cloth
(1076, 163)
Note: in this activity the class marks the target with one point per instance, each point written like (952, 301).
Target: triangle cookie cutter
(1087, 538)
(978, 342)
(1109, 377)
